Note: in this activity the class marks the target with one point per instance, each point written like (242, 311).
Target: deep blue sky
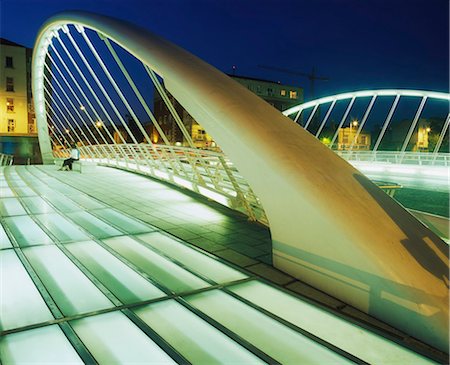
(358, 44)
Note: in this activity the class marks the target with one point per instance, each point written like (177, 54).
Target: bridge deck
(115, 267)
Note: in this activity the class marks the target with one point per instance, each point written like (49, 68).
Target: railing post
(240, 197)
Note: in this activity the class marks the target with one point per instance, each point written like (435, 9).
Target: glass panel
(58, 200)
(62, 188)
(37, 205)
(193, 259)
(16, 182)
(121, 280)
(63, 229)
(20, 304)
(4, 239)
(158, 268)
(24, 191)
(93, 225)
(26, 231)
(278, 341)
(86, 201)
(126, 224)
(113, 339)
(72, 291)
(11, 206)
(205, 345)
(350, 337)
(6, 192)
(46, 345)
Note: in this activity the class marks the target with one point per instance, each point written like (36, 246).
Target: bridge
(93, 78)
(410, 154)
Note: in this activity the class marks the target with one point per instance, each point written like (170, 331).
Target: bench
(80, 166)
(84, 166)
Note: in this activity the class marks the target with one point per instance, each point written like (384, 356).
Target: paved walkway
(113, 267)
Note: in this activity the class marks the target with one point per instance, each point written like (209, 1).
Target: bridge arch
(331, 227)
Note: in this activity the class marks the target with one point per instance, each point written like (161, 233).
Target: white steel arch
(365, 93)
(331, 226)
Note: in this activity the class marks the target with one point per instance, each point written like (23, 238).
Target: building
(18, 133)
(278, 95)
(422, 140)
(350, 139)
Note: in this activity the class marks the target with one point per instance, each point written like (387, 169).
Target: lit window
(9, 105)
(9, 84)
(283, 92)
(11, 125)
(293, 94)
(9, 62)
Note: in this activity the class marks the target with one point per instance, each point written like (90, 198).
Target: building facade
(16, 111)
(279, 96)
(18, 133)
(350, 139)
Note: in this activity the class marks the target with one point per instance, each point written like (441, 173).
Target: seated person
(74, 156)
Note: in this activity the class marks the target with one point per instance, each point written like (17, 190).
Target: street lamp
(98, 123)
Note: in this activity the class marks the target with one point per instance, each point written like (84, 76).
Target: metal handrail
(212, 174)
(6, 160)
(394, 157)
(208, 173)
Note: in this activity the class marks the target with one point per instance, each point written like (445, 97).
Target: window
(269, 91)
(283, 92)
(11, 125)
(9, 84)
(9, 105)
(293, 94)
(9, 62)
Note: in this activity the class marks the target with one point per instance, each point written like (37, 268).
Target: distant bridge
(412, 154)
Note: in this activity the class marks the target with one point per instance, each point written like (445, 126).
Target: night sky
(357, 44)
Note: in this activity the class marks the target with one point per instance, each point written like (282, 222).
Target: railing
(6, 160)
(207, 173)
(405, 158)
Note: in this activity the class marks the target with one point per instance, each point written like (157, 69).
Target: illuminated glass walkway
(100, 267)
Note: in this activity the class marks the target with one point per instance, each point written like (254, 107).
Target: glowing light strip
(214, 196)
(403, 170)
(366, 93)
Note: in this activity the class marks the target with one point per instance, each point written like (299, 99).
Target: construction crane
(311, 76)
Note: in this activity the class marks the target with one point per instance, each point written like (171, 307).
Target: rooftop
(262, 80)
(7, 42)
